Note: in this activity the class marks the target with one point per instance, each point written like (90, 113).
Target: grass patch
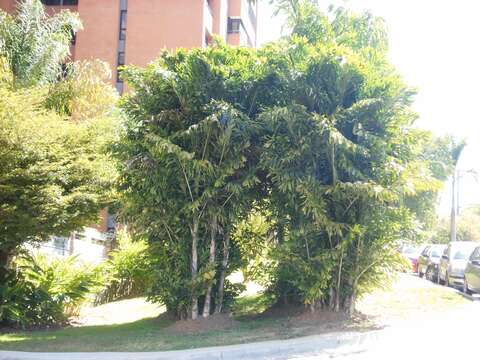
(143, 335)
(408, 298)
(251, 305)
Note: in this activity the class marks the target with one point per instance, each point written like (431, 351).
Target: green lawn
(143, 335)
(110, 328)
(408, 298)
(158, 334)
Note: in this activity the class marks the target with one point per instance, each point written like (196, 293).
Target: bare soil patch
(212, 323)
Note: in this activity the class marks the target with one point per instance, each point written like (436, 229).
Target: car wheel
(440, 281)
(465, 287)
(428, 274)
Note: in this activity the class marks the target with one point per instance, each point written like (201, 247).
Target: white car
(454, 261)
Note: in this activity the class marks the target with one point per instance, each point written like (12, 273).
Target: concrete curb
(277, 349)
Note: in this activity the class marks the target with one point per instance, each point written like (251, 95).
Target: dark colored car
(471, 283)
(422, 260)
(433, 261)
(454, 261)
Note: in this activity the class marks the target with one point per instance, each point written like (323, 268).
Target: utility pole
(453, 225)
(458, 192)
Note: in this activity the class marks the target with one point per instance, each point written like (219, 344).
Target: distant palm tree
(35, 44)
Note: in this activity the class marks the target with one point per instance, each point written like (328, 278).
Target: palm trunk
(221, 283)
(208, 297)
(4, 264)
(339, 281)
(331, 297)
(350, 303)
(194, 266)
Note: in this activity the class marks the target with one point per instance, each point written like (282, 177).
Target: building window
(120, 62)
(119, 75)
(73, 39)
(123, 25)
(60, 245)
(234, 25)
(121, 58)
(111, 223)
(59, 2)
(122, 36)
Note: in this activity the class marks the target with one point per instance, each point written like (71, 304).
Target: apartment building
(123, 32)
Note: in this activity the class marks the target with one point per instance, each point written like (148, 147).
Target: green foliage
(185, 161)
(316, 129)
(468, 227)
(253, 237)
(350, 175)
(171, 278)
(55, 172)
(55, 175)
(35, 44)
(45, 291)
(360, 32)
(127, 271)
(85, 92)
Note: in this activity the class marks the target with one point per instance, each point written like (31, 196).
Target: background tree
(432, 158)
(468, 227)
(54, 175)
(85, 92)
(35, 44)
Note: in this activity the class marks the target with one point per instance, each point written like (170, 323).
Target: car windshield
(461, 254)
(436, 253)
(410, 250)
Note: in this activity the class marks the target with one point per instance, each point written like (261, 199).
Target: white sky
(435, 45)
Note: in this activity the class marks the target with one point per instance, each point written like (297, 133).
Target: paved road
(455, 335)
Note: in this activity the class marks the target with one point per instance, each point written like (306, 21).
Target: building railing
(252, 14)
(249, 19)
(208, 16)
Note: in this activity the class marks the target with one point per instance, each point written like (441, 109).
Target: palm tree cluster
(314, 133)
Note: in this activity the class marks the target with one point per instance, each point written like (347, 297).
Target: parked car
(471, 281)
(432, 262)
(411, 253)
(454, 261)
(423, 259)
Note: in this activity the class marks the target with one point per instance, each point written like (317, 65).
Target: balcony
(236, 26)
